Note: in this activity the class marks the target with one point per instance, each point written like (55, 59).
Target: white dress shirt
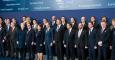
(79, 32)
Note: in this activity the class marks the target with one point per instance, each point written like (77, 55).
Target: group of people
(58, 37)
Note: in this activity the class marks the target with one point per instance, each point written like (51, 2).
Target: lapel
(103, 31)
(13, 30)
(91, 32)
(1, 31)
(69, 33)
(59, 28)
(28, 31)
(113, 31)
(80, 35)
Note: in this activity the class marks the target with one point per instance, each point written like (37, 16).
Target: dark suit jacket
(54, 25)
(104, 37)
(30, 37)
(39, 38)
(75, 27)
(113, 43)
(7, 30)
(22, 37)
(96, 25)
(58, 35)
(92, 38)
(82, 40)
(7, 37)
(69, 39)
(2, 34)
(44, 29)
(48, 36)
(13, 37)
(64, 26)
(113, 37)
(85, 26)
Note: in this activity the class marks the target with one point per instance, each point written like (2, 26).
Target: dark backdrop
(39, 15)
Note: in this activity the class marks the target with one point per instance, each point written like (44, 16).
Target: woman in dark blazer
(39, 42)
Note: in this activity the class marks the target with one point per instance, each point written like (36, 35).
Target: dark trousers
(7, 47)
(48, 52)
(13, 50)
(102, 53)
(2, 53)
(113, 54)
(91, 53)
(59, 52)
(70, 53)
(30, 52)
(21, 53)
(81, 53)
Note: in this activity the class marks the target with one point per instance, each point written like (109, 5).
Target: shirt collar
(70, 29)
(0, 28)
(59, 25)
(91, 29)
(13, 28)
(80, 29)
(29, 29)
(48, 28)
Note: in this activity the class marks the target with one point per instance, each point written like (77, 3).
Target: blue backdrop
(109, 12)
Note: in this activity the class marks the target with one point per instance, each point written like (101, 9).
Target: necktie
(69, 32)
(46, 30)
(89, 31)
(79, 33)
(0, 29)
(57, 28)
(102, 30)
(27, 31)
(8, 28)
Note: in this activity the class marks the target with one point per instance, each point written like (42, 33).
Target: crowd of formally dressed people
(86, 40)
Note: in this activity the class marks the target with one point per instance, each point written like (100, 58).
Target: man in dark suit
(6, 38)
(103, 41)
(2, 34)
(53, 25)
(80, 41)
(53, 22)
(91, 41)
(58, 39)
(69, 39)
(13, 40)
(21, 41)
(29, 42)
(48, 42)
(113, 39)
